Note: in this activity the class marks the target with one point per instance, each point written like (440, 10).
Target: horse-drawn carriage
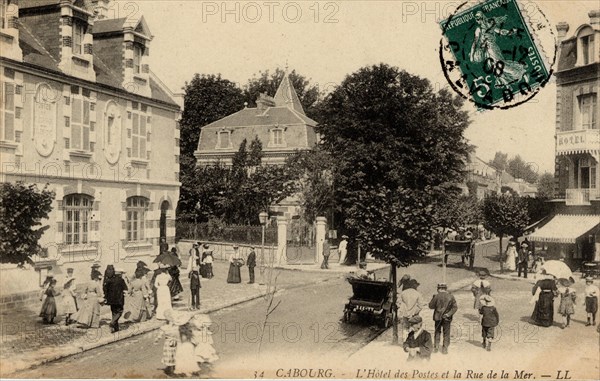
(464, 248)
(370, 298)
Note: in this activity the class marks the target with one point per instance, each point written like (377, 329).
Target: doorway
(164, 206)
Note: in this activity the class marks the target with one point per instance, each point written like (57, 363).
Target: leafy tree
(505, 214)
(397, 145)
(500, 161)
(208, 98)
(268, 82)
(518, 168)
(545, 186)
(22, 208)
(459, 211)
(255, 155)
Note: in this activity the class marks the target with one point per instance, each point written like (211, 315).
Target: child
(418, 344)
(489, 320)
(48, 312)
(171, 333)
(186, 363)
(567, 306)
(592, 293)
(202, 339)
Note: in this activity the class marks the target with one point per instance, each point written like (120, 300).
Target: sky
(327, 40)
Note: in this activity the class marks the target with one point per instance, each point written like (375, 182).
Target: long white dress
(163, 294)
(342, 249)
(511, 259)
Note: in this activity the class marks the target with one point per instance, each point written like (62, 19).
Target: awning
(564, 228)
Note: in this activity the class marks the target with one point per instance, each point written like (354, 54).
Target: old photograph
(300, 189)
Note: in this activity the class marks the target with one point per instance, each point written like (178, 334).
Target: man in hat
(326, 253)
(194, 275)
(489, 320)
(115, 289)
(418, 343)
(523, 258)
(251, 263)
(343, 249)
(479, 288)
(592, 293)
(444, 307)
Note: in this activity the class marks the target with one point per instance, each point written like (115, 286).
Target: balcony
(581, 196)
(579, 141)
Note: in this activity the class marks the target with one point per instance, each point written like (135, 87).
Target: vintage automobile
(371, 298)
(464, 248)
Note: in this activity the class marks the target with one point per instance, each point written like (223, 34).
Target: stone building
(574, 232)
(82, 112)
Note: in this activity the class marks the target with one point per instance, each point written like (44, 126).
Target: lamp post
(262, 217)
(198, 206)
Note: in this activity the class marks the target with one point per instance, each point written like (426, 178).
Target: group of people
(342, 250)
(521, 258)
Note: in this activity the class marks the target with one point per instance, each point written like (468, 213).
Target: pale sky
(326, 40)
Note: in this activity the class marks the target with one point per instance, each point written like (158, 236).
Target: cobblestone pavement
(26, 342)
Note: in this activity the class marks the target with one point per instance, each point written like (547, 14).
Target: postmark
(497, 53)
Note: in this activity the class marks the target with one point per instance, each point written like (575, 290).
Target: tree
(500, 161)
(208, 98)
(268, 82)
(397, 145)
(22, 208)
(459, 211)
(505, 214)
(518, 168)
(545, 186)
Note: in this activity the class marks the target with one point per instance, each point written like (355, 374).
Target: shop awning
(564, 228)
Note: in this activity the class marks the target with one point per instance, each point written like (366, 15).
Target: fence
(232, 233)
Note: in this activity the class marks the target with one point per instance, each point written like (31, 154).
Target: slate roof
(109, 25)
(37, 3)
(286, 95)
(568, 54)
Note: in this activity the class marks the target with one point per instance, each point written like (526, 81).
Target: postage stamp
(497, 53)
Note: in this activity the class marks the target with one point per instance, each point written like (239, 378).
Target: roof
(286, 95)
(37, 3)
(269, 117)
(109, 25)
(568, 54)
(564, 228)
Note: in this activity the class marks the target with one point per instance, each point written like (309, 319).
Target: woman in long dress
(139, 298)
(545, 289)
(89, 314)
(69, 300)
(163, 294)
(48, 310)
(235, 262)
(510, 264)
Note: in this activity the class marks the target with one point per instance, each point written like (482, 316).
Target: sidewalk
(26, 342)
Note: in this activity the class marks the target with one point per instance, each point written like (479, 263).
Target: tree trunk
(394, 300)
(500, 256)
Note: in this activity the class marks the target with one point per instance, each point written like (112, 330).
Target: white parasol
(558, 269)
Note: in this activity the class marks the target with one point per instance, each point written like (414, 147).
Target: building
(574, 231)
(482, 179)
(279, 122)
(82, 112)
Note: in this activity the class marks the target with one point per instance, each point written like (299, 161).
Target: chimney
(562, 28)
(100, 8)
(594, 17)
(264, 101)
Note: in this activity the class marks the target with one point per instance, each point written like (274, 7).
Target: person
(567, 305)
(403, 282)
(592, 293)
(235, 262)
(444, 307)
(544, 292)
(363, 273)
(138, 303)
(418, 342)
(326, 252)
(69, 299)
(89, 313)
(164, 246)
(175, 286)
(114, 292)
(511, 256)
(163, 294)
(170, 332)
(343, 249)
(251, 263)
(411, 302)
(156, 273)
(48, 310)
(186, 362)
(523, 259)
(489, 320)
(202, 339)
(207, 262)
(194, 275)
(479, 288)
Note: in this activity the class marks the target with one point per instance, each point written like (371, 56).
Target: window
(138, 51)
(587, 46)
(77, 213)
(588, 109)
(136, 218)
(4, 13)
(224, 139)
(277, 137)
(78, 33)
(7, 129)
(80, 123)
(138, 135)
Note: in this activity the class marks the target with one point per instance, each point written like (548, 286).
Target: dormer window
(277, 137)
(586, 46)
(138, 52)
(224, 139)
(3, 14)
(78, 33)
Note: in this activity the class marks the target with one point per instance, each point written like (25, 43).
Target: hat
(482, 273)
(344, 236)
(119, 270)
(487, 300)
(180, 317)
(442, 285)
(205, 245)
(70, 269)
(196, 244)
(362, 265)
(415, 320)
(511, 243)
(589, 279)
(141, 265)
(96, 265)
(235, 246)
(251, 247)
(524, 244)
(468, 235)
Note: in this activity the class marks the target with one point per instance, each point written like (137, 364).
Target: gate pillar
(280, 256)
(319, 238)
